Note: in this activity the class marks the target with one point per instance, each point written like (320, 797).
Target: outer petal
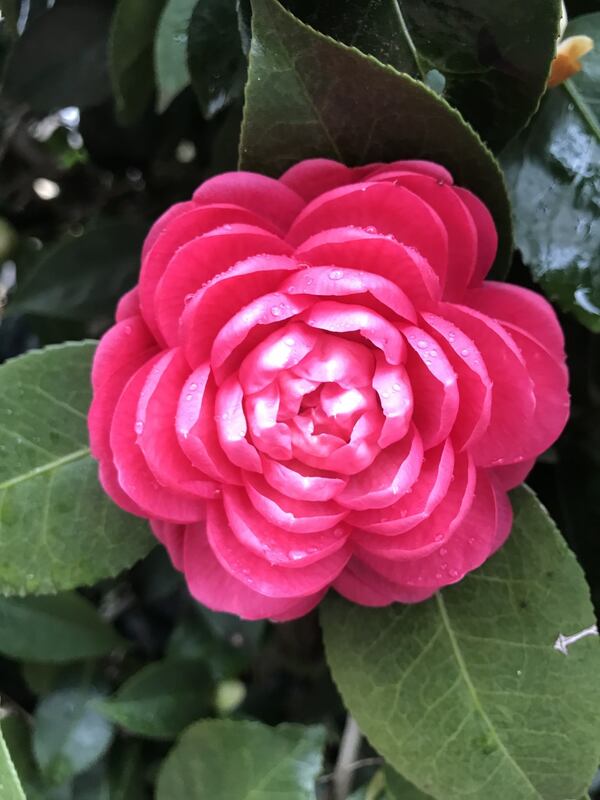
(521, 307)
(134, 475)
(361, 249)
(274, 544)
(314, 176)
(300, 516)
(258, 574)
(276, 202)
(487, 236)
(217, 589)
(385, 208)
(155, 426)
(200, 261)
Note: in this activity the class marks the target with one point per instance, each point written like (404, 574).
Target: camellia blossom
(313, 386)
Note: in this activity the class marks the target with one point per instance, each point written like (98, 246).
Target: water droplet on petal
(336, 274)
(396, 387)
(139, 426)
(193, 387)
(422, 344)
(464, 351)
(276, 311)
(188, 297)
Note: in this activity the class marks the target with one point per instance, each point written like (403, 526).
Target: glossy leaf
(46, 74)
(280, 762)
(466, 694)
(132, 55)
(10, 786)
(553, 174)
(82, 276)
(377, 28)
(53, 629)
(48, 481)
(216, 63)
(69, 735)
(172, 75)
(161, 699)
(309, 96)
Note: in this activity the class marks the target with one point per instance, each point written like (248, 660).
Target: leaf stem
(349, 747)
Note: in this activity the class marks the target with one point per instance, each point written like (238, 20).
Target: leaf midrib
(44, 468)
(464, 672)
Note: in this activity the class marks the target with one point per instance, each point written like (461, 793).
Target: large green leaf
(69, 736)
(47, 73)
(495, 57)
(10, 786)
(82, 276)
(58, 530)
(465, 694)
(553, 173)
(131, 55)
(242, 761)
(162, 698)
(53, 629)
(172, 75)
(309, 96)
(398, 788)
(216, 62)
(378, 28)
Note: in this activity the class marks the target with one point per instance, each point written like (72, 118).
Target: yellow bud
(568, 53)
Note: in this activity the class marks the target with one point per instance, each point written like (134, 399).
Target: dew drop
(422, 344)
(289, 341)
(472, 540)
(193, 387)
(439, 537)
(443, 551)
(276, 311)
(188, 297)
(465, 351)
(296, 555)
(453, 573)
(128, 329)
(336, 274)
(139, 426)
(396, 387)
(189, 397)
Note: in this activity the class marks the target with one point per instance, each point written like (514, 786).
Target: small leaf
(131, 53)
(10, 786)
(161, 699)
(58, 530)
(243, 761)
(69, 736)
(126, 772)
(216, 62)
(46, 74)
(553, 174)
(172, 75)
(465, 694)
(82, 276)
(309, 96)
(53, 629)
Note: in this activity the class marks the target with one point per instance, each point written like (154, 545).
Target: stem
(349, 747)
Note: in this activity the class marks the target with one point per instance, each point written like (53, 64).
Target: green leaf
(494, 68)
(69, 736)
(465, 694)
(58, 530)
(172, 75)
(55, 628)
(82, 277)
(126, 772)
(161, 699)
(280, 762)
(131, 56)
(46, 74)
(215, 59)
(398, 788)
(553, 174)
(378, 28)
(309, 96)
(10, 786)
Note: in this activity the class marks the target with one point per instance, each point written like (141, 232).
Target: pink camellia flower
(312, 386)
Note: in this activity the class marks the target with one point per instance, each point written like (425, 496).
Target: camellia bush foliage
(132, 670)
